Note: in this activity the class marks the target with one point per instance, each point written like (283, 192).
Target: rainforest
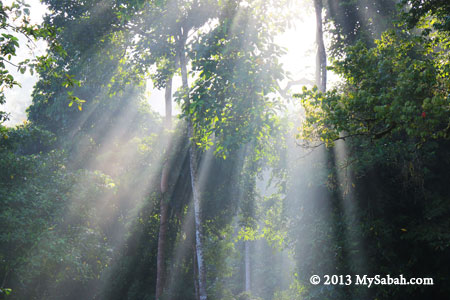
(224, 149)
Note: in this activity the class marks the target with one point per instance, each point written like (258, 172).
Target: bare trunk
(193, 164)
(197, 215)
(160, 260)
(195, 266)
(168, 103)
(247, 266)
(321, 57)
(164, 203)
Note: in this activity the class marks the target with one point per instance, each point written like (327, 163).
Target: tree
(53, 241)
(89, 75)
(381, 99)
(228, 104)
(90, 34)
(164, 202)
(417, 10)
(167, 47)
(392, 113)
(354, 21)
(219, 119)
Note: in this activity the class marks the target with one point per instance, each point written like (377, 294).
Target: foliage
(386, 126)
(14, 24)
(438, 9)
(87, 75)
(396, 89)
(230, 102)
(51, 227)
(79, 185)
(362, 21)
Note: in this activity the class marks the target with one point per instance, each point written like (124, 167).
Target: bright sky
(299, 62)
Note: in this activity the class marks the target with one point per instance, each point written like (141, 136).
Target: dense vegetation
(240, 197)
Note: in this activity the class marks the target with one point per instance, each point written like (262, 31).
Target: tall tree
(177, 21)
(392, 114)
(193, 164)
(164, 202)
(229, 104)
(95, 43)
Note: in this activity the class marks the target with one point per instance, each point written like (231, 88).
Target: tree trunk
(168, 103)
(247, 266)
(164, 203)
(197, 214)
(4, 278)
(195, 268)
(321, 56)
(193, 164)
(160, 260)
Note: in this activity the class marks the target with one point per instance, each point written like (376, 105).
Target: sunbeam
(224, 150)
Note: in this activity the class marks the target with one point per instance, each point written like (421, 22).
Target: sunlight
(299, 60)
(257, 182)
(353, 235)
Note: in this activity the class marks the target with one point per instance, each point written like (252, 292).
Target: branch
(384, 132)
(12, 64)
(291, 83)
(22, 30)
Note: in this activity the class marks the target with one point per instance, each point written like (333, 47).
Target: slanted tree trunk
(164, 202)
(195, 268)
(193, 165)
(168, 103)
(247, 266)
(321, 56)
(197, 214)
